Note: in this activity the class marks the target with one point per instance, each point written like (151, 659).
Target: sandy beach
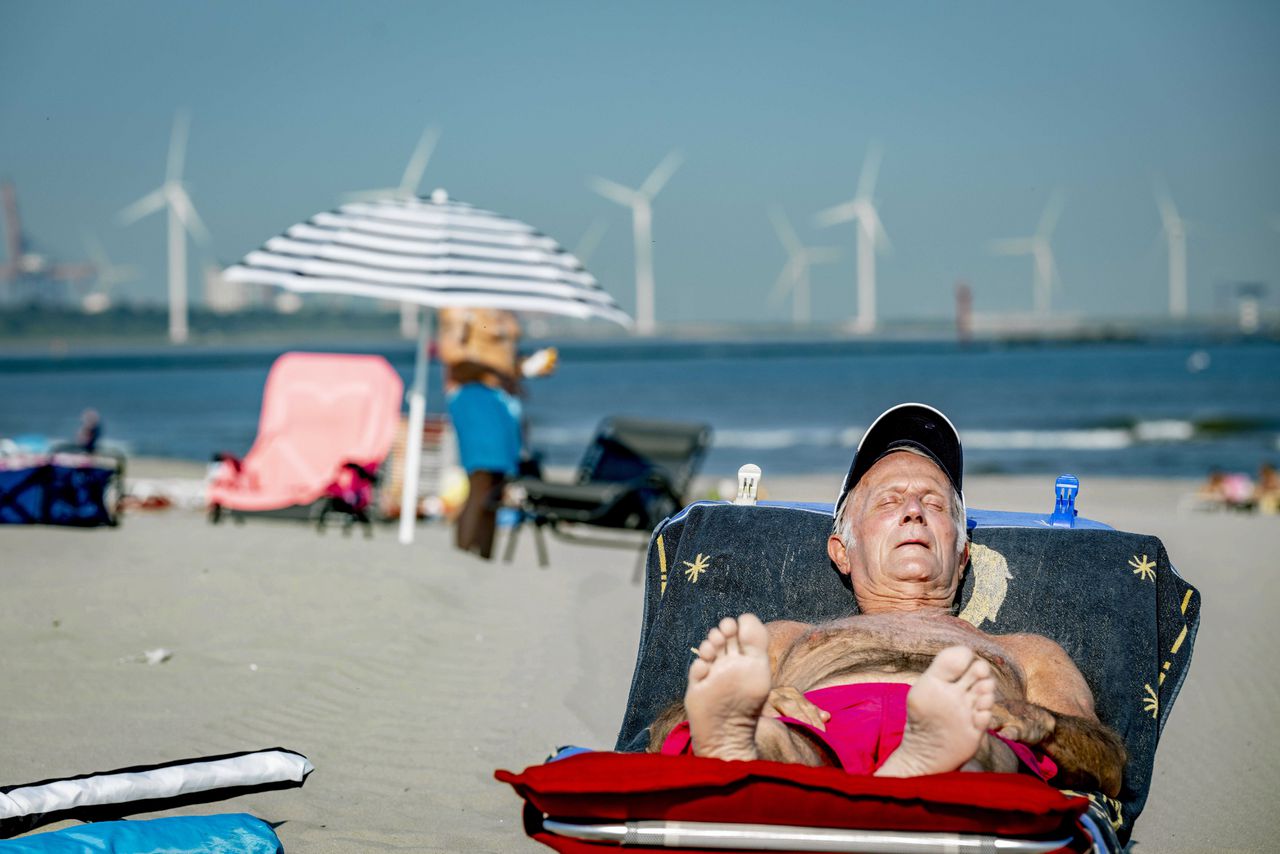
(408, 675)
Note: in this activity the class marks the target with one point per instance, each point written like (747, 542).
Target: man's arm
(1059, 717)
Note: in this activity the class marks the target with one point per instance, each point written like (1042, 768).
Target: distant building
(222, 296)
(287, 302)
(1250, 305)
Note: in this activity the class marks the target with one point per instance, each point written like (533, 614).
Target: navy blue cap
(908, 425)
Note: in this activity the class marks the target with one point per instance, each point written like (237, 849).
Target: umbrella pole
(413, 441)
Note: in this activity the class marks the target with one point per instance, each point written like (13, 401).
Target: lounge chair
(634, 473)
(326, 426)
(1111, 599)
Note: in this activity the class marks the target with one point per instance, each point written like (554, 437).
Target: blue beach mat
(231, 833)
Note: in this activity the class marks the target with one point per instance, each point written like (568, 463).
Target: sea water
(1158, 408)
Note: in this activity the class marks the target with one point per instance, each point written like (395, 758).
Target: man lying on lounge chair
(904, 688)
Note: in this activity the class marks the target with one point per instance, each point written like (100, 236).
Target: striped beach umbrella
(433, 253)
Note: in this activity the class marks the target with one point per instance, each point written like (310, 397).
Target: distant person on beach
(1266, 493)
(905, 688)
(1211, 489)
(483, 374)
(1227, 490)
(90, 430)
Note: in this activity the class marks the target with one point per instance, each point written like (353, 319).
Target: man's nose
(913, 511)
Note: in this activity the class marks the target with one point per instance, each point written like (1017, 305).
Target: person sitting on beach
(904, 688)
(90, 430)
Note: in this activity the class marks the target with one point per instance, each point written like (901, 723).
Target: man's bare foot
(948, 712)
(728, 684)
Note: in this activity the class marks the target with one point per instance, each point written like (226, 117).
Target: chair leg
(509, 553)
(540, 540)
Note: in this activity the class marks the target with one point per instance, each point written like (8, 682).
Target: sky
(983, 109)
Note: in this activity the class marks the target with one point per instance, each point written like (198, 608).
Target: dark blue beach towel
(1111, 599)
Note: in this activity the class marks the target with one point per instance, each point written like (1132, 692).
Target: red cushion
(635, 786)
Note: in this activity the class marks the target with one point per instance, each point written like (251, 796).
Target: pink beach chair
(327, 424)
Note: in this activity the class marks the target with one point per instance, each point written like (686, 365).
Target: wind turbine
(408, 189)
(871, 236)
(413, 172)
(641, 203)
(1175, 234)
(794, 278)
(1038, 247)
(183, 220)
(98, 299)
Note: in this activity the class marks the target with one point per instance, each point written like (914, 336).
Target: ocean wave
(1166, 430)
(1102, 439)
(1155, 432)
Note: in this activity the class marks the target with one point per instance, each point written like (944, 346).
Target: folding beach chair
(1111, 599)
(634, 473)
(326, 426)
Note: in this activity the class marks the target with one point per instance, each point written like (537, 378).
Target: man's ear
(838, 554)
(964, 557)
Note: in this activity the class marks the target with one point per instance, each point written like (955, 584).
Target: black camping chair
(633, 475)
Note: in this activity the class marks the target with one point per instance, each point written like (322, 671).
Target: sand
(408, 675)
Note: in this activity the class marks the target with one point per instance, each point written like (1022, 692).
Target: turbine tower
(1175, 234)
(641, 203)
(1039, 248)
(183, 220)
(408, 189)
(794, 278)
(871, 236)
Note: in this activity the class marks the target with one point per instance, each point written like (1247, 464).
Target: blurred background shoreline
(1155, 406)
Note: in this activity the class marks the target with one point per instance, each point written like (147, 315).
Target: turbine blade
(97, 254)
(119, 275)
(145, 206)
(1049, 219)
(614, 191)
(187, 213)
(836, 214)
(1164, 202)
(879, 237)
(590, 240)
(1011, 246)
(178, 145)
(786, 281)
(417, 166)
(870, 170)
(786, 233)
(661, 174)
